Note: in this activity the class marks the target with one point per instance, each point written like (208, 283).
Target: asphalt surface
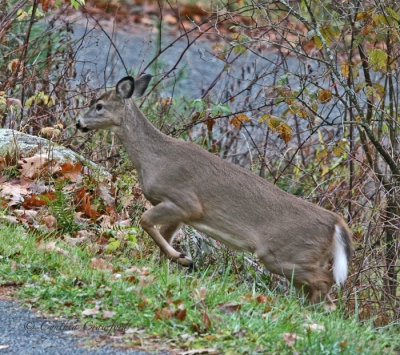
(22, 332)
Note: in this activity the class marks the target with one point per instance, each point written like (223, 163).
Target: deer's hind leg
(315, 281)
(168, 231)
(167, 214)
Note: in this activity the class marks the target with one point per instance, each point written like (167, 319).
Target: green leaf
(392, 13)
(278, 125)
(360, 86)
(377, 59)
(321, 154)
(112, 246)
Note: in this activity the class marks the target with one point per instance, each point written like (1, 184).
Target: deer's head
(106, 111)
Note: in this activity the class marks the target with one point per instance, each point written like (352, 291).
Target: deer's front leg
(169, 216)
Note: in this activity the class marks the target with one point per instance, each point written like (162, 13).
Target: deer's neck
(143, 142)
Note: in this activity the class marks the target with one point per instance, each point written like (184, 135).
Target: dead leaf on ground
(34, 166)
(108, 314)
(29, 215)
(106, 222)
(181, 315)
(38, 200)
(165, 313)
(51, 246)
(143, 271)
(206, 320)
(200, 351)
(229, 307)
(11, 284)
(200, 294)
(81, 236)
(2, 163)
(71, 171)
(290, 339)
(315, 327)
(50, 221)
(90, 311)
(99, 263)
(9, 219)
(84, 199)
(15, 190)
(261, 298)
(105, 193)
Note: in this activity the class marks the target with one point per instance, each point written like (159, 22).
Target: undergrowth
(147, 303)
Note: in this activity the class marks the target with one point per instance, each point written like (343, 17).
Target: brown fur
(188, 185)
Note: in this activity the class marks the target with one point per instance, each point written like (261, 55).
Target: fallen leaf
(108, 314)
(50, 221)
(91, 311)
(11, 284)
(15, 190)
(261, 298)
(290, 339)
(71, 171)
(181, 315)
(28, 215)
(104, 192)
(84, 199)
(38, 200)
(316, 327)
(51, 246)
(229, 307)
(200, 351)
(206, 320)
(9, 219)
(2, 163)
(32, 167)
(143, 271)
(246, 298)
(100, 264)
(165, 313)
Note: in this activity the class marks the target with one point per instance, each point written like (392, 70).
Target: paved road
(16, 332)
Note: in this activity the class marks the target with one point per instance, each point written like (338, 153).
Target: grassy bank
(161, 303)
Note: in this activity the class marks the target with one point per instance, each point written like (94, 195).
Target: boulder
(28, 145)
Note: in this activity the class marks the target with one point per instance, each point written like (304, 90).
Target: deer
(187, 185)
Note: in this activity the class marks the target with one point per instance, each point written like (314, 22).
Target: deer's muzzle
(79, 126)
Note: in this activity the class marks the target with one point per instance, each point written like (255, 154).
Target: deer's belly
(231, 240)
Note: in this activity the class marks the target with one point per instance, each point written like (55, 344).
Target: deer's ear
(125, 87)
(141, 84)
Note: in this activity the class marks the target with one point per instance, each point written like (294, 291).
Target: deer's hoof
(185, 260)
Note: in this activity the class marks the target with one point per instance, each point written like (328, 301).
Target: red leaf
(206, 320)
(261, 299)
(71, 171)
(229, 307)
(181, 315)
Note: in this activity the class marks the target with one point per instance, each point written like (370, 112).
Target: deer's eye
(99, 107)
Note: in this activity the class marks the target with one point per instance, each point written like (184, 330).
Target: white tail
(340, 260)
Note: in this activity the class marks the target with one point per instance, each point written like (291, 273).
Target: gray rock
(28, 145)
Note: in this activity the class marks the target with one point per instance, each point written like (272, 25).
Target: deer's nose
(79, 126)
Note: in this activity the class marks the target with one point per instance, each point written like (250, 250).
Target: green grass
(67, 285)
